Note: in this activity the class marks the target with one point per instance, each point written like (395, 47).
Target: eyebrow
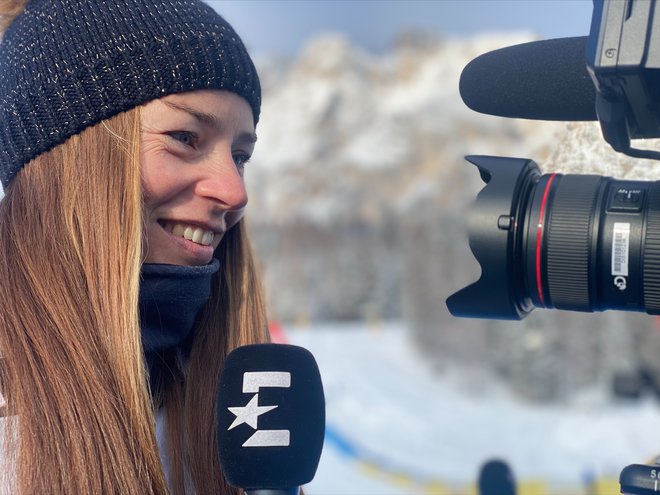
(209, 120)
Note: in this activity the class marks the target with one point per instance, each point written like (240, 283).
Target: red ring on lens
(539, 239)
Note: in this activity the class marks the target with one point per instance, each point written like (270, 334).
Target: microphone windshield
(270, 417)
(541, 80)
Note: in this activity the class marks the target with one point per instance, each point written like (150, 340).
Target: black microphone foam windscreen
(543, 80)
(271, 417)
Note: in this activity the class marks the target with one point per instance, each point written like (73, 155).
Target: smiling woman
(127, 272)
(194, 148)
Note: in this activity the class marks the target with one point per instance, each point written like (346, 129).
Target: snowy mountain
(351, 146)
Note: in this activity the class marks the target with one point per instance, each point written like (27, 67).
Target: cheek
(148, 164)
(150, 193)
(149, 189)
(158, 182)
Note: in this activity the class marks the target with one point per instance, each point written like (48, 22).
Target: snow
(397, 426)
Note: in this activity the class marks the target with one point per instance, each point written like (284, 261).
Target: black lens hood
(493, 225)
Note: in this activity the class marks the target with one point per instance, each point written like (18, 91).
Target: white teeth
(208, 238)
(178, 230)
(198, 234)
(194, 234)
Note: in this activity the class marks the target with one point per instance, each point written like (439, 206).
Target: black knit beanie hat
(66, 65)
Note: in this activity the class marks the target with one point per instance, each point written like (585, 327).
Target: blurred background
(358, 194)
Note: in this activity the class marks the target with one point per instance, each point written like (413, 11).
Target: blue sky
(283, 26)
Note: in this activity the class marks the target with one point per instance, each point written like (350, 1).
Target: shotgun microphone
(539, 80)
(270, 418)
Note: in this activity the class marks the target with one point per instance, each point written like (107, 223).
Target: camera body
(577, 242)
(573, 242)
(623, 59)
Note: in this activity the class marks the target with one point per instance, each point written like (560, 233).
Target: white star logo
(249, 413)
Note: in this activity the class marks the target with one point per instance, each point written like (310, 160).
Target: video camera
(573, 242)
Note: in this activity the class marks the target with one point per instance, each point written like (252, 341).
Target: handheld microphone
(540, 80)
(271, 418)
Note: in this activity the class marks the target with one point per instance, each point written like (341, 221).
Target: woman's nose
(222, 182)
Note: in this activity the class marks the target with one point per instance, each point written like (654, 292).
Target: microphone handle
(277, 491)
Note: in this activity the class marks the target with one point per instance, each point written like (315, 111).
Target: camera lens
(572, 242)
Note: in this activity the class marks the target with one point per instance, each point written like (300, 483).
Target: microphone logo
(249, 414)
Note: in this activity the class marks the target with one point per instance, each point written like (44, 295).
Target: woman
(127, 275)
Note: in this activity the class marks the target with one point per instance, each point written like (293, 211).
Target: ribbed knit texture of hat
(66, 65)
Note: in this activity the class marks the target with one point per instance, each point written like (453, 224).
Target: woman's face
(193, 150)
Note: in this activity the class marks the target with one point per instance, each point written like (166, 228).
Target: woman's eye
(241, 159)
(186, 138)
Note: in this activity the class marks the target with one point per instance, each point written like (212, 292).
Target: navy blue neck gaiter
(171, 298)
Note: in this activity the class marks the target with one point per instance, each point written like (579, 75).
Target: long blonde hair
(73, 374)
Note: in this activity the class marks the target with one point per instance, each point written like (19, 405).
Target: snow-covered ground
(395, 426)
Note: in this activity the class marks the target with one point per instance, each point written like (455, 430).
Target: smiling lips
(190, 232)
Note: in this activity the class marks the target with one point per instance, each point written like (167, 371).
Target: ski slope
(395, 426)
